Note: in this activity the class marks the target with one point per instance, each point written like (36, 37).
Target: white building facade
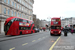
(67, 22)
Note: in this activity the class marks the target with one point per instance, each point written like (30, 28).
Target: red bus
(55, 26)
(17, 26)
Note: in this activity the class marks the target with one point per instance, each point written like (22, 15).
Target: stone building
(18, 8)
(68, 22)
(34, 19)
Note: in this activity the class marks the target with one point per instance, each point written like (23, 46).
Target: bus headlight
(51, 31)
(59, 31)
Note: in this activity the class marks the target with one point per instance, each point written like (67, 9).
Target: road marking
(12, 48)
(43, 37)
(52, 41)
(33, 40)
(54, 44)
(39, 38)
(24, 44)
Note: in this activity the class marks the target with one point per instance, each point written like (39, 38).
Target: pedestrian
(72, 31)
(49, 28)
(65, 31)
(41, 28)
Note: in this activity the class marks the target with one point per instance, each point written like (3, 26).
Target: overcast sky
(54, 8)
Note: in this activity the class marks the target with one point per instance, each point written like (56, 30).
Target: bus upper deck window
(16, 19)
(13, 20)
(24, 20)
(53, 20)
(32, 22)
(21, 20)
(27, 21)
(57, 19)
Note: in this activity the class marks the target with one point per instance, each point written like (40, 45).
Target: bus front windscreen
(55, 27)
(7, 26)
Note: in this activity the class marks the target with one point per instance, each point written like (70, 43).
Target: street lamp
(72, 23)
(49, 18)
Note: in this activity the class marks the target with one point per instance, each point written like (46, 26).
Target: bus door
(33, 29)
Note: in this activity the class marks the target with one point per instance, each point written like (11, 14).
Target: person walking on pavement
(71, 31)
(41, 28)
(49, 28)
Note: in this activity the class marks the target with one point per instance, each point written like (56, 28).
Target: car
(37, 30)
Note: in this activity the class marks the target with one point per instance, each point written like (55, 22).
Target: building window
(27, 17)
(18, 6)
(30, 18)
(22, 2)
(18, 14)
(12, 3)
(22, 15)
(4, 10)
(8, 11)
(8, 1)
(5, 1)
(22, 8)
(12, 12)
(15, 4)
(15, 13)
(18, 0)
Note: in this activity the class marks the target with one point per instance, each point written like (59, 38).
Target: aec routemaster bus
(17, 26)
(55, 26)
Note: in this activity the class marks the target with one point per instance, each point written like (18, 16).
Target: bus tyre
(59, 34)
(50, 34)
(31, 32)
(20, 33)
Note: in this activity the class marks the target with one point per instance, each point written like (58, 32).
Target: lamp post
(72, 23)
(49, 19)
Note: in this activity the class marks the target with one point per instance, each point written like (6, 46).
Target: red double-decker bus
(17, 26)
(55, 26)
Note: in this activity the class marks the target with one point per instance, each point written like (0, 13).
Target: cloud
(54, 8)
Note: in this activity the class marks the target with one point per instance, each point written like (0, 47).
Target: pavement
(2, 34)
(66, 42)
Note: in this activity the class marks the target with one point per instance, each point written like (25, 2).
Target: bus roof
(55, 18)
(20, 18)
(8, 19)
(17, 17)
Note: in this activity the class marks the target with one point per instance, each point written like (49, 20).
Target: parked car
(37, 30)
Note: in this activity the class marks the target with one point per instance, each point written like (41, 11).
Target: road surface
(39, 41)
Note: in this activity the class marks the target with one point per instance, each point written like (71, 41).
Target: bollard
(65, 33)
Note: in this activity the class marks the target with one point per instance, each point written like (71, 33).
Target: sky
(46, 9)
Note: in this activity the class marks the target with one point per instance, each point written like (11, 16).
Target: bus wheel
(51, 34)
(31, 32)
(20, 33)
(59, 34)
